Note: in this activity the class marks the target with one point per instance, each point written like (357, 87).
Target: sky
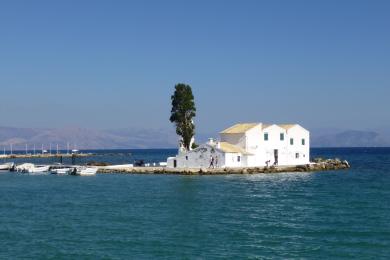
(114, 64)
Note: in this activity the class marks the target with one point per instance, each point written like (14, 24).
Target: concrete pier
(325, 165)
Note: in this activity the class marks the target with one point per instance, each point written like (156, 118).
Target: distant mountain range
(130, 138)
(350, 138)
(81, 138)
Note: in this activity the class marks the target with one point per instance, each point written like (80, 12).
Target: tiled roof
(230, 148)
(263, 126)
(239, 128)
(287, 126)
(242, 128)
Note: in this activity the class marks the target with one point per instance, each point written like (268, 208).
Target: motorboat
(39, 169)
(85, 171)
(24, 167)
(62, 171)
(7, 166)
(31, 168)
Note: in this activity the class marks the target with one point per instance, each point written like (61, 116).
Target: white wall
(274, 142)
(198, 158)
(231, 160)
(263, 150)
(297, 133)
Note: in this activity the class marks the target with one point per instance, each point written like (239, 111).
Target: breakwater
(317, 165)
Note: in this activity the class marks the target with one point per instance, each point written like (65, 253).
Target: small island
(318, 165)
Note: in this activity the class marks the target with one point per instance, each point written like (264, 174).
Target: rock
(346, 163)
(303, 168)
(318, 160)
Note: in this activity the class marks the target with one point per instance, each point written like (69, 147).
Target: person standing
(211, 162)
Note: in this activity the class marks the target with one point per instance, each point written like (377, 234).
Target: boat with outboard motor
(85, 171)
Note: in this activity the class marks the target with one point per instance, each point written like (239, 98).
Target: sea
(341, 214)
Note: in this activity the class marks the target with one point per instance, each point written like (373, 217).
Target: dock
(317, 166)
(323, 165)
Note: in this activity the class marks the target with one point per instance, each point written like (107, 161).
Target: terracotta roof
(230, 148)
(239, 128)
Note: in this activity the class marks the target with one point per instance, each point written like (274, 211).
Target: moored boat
(7, 166)
(39, 169)
(62, 171)
(31, 168)
(24, 167)
(85, 171)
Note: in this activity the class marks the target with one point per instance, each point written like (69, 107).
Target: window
(297, 155)
(281, 136)
(265, 136)
(238, 158)
(291, 141)
(187, 158)
(303, 141)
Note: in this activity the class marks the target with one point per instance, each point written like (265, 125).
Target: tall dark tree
(182, 113)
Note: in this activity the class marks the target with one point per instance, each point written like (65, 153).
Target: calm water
(328, 215)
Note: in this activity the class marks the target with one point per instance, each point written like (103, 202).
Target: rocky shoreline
(318, 165)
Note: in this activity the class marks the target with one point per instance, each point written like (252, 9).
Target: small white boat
(85, 171)
(6, 166)
(62, 171)
(39, 169)
(24, 167)
(31, 168)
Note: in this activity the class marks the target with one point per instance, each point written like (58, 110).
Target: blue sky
(113, 64)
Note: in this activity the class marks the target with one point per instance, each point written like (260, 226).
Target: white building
(249, 145)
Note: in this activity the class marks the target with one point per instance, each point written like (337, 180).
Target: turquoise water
(324, 215)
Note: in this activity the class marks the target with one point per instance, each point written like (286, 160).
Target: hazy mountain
(349, 138)
(81, 138)
(133, 138)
